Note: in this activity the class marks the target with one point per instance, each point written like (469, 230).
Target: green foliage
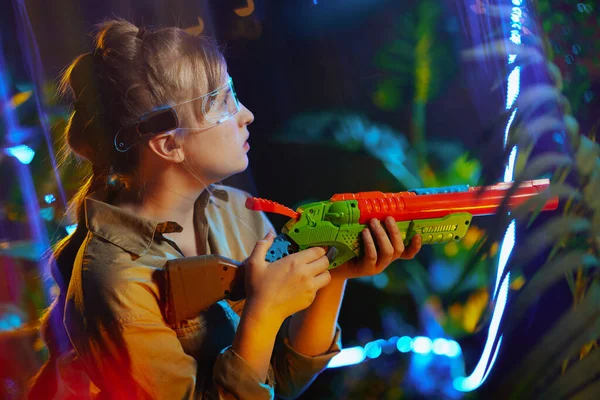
(571, 243)
(70, 170)
(564, 362)
(571, 27)
(415, 66)
(573, 330)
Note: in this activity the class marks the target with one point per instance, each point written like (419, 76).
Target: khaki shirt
(113, 311)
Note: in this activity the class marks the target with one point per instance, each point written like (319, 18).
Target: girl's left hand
(373, 262)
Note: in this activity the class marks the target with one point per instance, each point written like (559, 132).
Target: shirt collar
(132, 232)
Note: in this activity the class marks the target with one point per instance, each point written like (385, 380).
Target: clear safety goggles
(216, 107)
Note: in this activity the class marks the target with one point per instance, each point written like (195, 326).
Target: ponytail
(45, 384)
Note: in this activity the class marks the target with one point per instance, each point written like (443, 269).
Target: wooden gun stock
(195, 283)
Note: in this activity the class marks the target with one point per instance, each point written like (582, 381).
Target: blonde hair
(130, 72)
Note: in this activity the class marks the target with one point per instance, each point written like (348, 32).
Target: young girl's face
(221, 151)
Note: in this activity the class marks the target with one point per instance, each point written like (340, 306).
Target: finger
(309, 255)
(317, 266)
(386, 250)
(395, 237)
(259, 253)
(322, 279)
(370, 252)
(414, 247)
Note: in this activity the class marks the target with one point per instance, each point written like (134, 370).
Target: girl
(156, 115)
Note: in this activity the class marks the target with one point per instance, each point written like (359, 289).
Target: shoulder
(110, 285)
(234, 197)
(234, 230)
(232, 207)
(106, 265)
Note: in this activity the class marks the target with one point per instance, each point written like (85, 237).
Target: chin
(239, 170)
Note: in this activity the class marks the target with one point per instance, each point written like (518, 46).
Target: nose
(245, 116)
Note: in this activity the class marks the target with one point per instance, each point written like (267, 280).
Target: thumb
(259, 253)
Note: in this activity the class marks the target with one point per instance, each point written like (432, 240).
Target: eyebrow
(224, 93)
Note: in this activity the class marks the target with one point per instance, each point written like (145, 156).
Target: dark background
(294, 57)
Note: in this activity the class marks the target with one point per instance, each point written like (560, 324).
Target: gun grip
(195, 283)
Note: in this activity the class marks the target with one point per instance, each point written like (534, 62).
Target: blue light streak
(71, 228)
(373, 349)
(23, 153)
(514, 87)
(349, 356)
(440, 346)
(404, 344)
(509, 172)
(453, 349)
(482, 369)
(508, 125)
(419, 345)
(422, 345)
(35, 69)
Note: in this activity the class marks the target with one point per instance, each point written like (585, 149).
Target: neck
(165, 197)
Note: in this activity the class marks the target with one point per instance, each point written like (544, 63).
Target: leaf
(555, 74)
(591, 191)
(574, 329)
(545, 277)
(562, 191)
(536, 96)
(575, 377)
(589, 393)
(502, 48)
(417, 281)
(528, 134)
(573, 130)
(550, 232)
(586, 156)
(543, 164)
(481, 247)
(540, 240)
(538, 167)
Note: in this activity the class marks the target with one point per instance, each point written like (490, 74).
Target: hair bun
(85, 129)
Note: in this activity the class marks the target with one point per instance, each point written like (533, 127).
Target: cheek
(203, 151)
(213, 150)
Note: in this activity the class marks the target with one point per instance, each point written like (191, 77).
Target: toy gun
(439, 215)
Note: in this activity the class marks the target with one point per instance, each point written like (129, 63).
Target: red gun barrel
(406, 206)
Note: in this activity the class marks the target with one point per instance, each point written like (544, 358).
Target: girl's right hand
(286, 286)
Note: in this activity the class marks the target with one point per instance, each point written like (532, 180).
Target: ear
(166, 147)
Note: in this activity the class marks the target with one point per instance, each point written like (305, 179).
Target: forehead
(224, 88)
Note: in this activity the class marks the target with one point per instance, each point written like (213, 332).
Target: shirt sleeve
(130, 352)
(141, 359)
(294, 371)
(146, 361)
(233, 374)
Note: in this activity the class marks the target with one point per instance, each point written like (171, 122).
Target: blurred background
(348, 96)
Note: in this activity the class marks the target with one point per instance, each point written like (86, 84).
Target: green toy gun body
(439, 215)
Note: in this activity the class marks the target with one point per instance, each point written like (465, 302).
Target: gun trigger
(410, 231)
(332, 253)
